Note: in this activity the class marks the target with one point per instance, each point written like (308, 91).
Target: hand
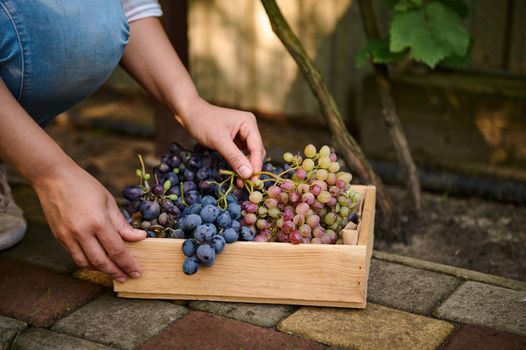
(84, 217)
(228, 131)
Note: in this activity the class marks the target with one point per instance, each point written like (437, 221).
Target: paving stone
(259, 314)
(124, 323)
(94, 277)
(43, 339)
(407, 288)
(39, 296)
(486, 305)
(9, 328)
(375, 327)
(39, 247)
(200, 330)
(471, 337)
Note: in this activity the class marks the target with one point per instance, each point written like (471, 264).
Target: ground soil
(473, 233)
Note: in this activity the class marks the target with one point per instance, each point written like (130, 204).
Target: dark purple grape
(214, 174)
(206, 186)
(164, 168)
(193, 197)
(189, 223)
(206, 161)
(133, 207)
(157, 189)
(203, 233)
(354, 218)
(150, 210)
(175, 147)
(177, 233)
(206, 254)
(188, 175)
(179, 204)
(163, 219)
(224, 220)
(203, 173)
(133, 193)
(189, 186)
(268, 167)
(174, 160)
(209, 213)
(173, 178)
(168, 206)
(191, 265)
(194, 163)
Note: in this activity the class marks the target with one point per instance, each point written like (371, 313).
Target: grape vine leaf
(432, 33)
(378, 51)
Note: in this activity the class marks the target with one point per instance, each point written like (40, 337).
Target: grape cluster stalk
(199, 198)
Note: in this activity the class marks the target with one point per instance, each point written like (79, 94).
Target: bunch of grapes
(197, 197)
(311, 206)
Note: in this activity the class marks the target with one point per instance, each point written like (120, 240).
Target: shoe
(12, 224)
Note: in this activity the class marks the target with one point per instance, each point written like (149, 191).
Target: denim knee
(55, 53)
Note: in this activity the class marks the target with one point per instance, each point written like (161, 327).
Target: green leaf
(431, 33)
(377, 50)
(404, 5)
(455, 61)
(172, 197)
(167, 184)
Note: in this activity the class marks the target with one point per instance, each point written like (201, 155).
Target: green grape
(308, 164)
(310, 151)
(344, 176)
(256, 197)
(274, 212)
(344, 211)
(297, 159)
(324, 196)
(288, 157)
(330, 219)
(262, 211)
(324, 162)
(321, 174)
(334, 167)
(325, 151)
(331, 179)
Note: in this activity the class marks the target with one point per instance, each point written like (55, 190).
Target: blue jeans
(55, 53)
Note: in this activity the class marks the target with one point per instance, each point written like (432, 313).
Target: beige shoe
(12, 224)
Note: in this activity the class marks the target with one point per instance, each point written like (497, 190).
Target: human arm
(81, 213)
(151, 60)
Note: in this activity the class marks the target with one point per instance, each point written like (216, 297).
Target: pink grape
(287, 214)
(295, 237)
(260, 238)
(283, 237)
(333, 157)
(332, 235)
(301, 173)
(306, 240)
(255, 197)
(313, 221)
(250, 219)
(262, 224)
(317, 205)
(303, 188)
(315, 240)
(288, 227)
(331, 179)
(326, 239)
(302, 208)
(294, 197)
(332, 202)
(274, 191)
(340, 183)
(266, 233)
(315, 189)
(287, 185)
(318, 231)
(334, 190)
(271, 202)
(298, 220)
(283, 197)
(305, 230)
(250, 207)
(308, 198)
(322, 184)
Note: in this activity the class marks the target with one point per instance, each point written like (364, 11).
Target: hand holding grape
(228, 131)
(84, 217)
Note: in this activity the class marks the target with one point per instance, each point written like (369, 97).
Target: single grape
(329, 219)
(206, 254)
(234, 210)
(332, 202)
(315, 189)
(174, 160)
(288, 227)
(326, 239)
(312, 221)
(310, 151)
(224, 220)
(274, 212)
(321, 174)
(301, 173)
(150, 210)
(256, 197)
(203, 173)
(308, 198)
(188, 175)
(193, 197)
(231, 198)
(302, 208)
(190, 266)
(177, 233)
(344, 211)
(315, 240)
(333, 157)
(324, 197)
(260, 238)
(262, 211)
(274, 191)
(250, 219)
(133, 193)
(288, 157)
(308, 164)
(250, 207)
(168, 206)
(271, 203)
(287, 185)
(173, 178)
(283, 237)
(203, 233)
(145, 225)
(193, 209)
(247, 233)
(283, 197)
(163, 219)
(354, 218)
(325, 151)
(190, 247)
(303, 188)
(231, 235)
(194, 163)
(298, 220)
(208, 200)
(218, 243)
(295, 237)
(334, 167)
(305, 230)
(294, 197)
(318, 231)
(191, 222)
(331, 179)
(324, 162)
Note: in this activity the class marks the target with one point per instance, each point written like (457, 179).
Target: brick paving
(124, 323)
(482, 338)
(38, 296)
(44, 305)
(200, 330)
(486, 305)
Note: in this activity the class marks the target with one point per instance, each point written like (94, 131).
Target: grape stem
(143, 172)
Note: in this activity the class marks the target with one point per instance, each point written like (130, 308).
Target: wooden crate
(277, 273)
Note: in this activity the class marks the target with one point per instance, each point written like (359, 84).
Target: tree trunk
(345, 143)
(392, 122)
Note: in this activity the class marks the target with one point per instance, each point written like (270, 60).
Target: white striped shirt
(137, 9)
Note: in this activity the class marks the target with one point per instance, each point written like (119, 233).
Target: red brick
(39, 296)
(200, 330)
(483, 338)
